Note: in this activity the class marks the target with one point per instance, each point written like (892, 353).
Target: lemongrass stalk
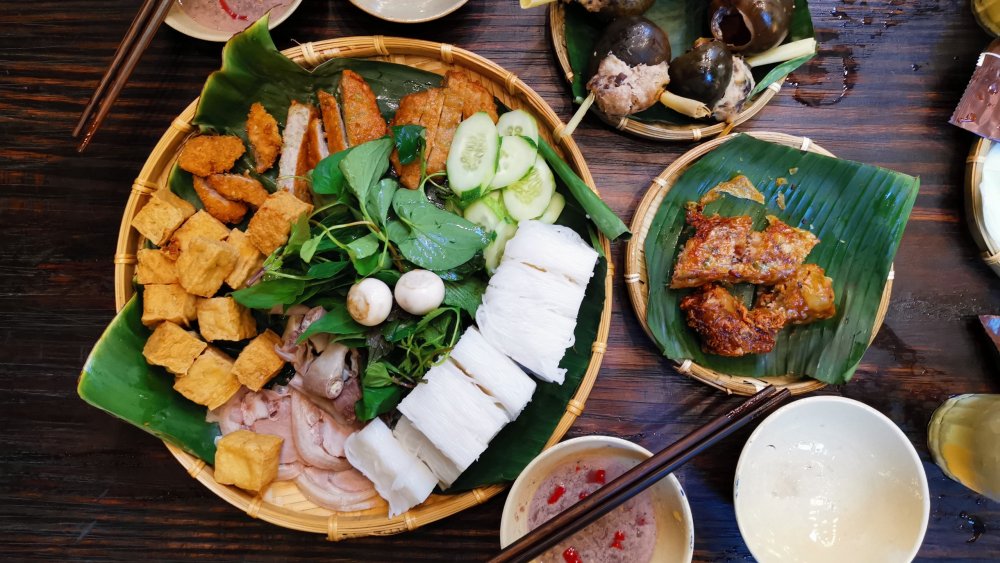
(577, 117)
(685, 106)
(525, 4)
(783, 53)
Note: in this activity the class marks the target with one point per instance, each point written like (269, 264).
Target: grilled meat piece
(776, 252)
(333, 122)
(205, 155)
(238, 188)
(725, 325)
(295, 157)
(265, 140)
(804, 297)
(218, 206)
(362, 118)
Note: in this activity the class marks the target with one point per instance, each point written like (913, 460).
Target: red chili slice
(231, 12)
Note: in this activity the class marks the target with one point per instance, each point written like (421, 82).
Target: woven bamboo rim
(282, 503)
(974, 204)
(637, 282)
(655, 131)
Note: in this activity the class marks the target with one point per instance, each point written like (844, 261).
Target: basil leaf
(377, 400)
(327, 177)
(430, 237)
(376, 375)
(326, 270)
(308, 249)
(298, 236)
(466, 294)
(380, 200)
(364, 165)
(336, 321)
(266, 294)
(364, 246)
(410, 141)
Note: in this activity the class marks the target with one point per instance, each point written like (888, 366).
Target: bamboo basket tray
(974, 204)
(282, 503)
(655, 131)
(637, 282)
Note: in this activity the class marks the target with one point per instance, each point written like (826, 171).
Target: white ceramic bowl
(829, 479)
(675, 529)
(177, 19)
(409, 11)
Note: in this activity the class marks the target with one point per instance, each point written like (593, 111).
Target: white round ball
(419, 292)
(369, 301)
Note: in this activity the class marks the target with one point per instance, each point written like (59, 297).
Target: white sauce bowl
(675, 528)
(829, 479)
(409, 11)
(180, 21)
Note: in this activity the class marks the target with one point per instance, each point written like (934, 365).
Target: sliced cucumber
(528, 197)
(482, 214)
(516, 158)
(472, 160)
(494, 251)
(552, 212)
(518, 123)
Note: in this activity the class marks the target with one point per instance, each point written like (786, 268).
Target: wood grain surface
(77, 484)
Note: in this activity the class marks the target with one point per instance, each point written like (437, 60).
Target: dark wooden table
(75, 483)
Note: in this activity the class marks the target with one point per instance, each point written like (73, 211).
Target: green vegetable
(337, 321)
(410, 141)
(379, 200)
(430, 237)
(377, 400)
(326, 270)
(327, 177)
(364, 167)
(266, 294)
(466, 294)
(377, 375)
(857, 211)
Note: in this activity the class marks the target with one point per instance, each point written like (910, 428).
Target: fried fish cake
(205, 155)
(238, 188)
(265, 140)
(362, 118)
(475, 97)
(725, 325)
(218, 206)
(333, 122)
(804, 297)
(421, 108)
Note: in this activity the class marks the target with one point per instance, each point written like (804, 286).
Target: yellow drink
(964, 438)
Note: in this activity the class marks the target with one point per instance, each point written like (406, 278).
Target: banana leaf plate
(117, 379)
(858, 212)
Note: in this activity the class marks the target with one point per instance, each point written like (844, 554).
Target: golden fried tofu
(205, 155)
(713, 251)
(333, 122)
(726, 327)
(362, 118)
(168, 302)
(238, 188)
(161, 216)
(247, 459)
(216, 204)
(776, 252)
(222, 318)
(249, 260)
(804, 297)
(204, 265)
(201, 224)
(154, 266)
(173, 348)
(210, 381)
(270, 226)
(265, 140)
(259, 362)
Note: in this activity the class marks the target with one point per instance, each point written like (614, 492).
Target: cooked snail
(713, 75)
(750, 26)
(628, 68)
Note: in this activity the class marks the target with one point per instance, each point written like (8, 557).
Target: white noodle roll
(538, 341)
(553, 248)
(454, 414)
(534, 291)
(493, 372)
(417, 444)
(399, 476)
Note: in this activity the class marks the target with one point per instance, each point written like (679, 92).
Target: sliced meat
(205, 155)
(319, 439)
(265, 140)
(451, 114)
(216, 205)
(268, 411)
(333, 122)
(316, 139)
(238, 188)
(421, 108)
(294, 161)
(361, 114)
(475, 98)
(340, 491)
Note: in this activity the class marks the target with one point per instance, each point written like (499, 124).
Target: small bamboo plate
(655, 131)
(282, 503)
(974, 204)
(637, 282)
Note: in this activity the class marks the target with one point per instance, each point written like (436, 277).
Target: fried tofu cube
(173, 348)
(247, 459)
(155, 266)
(168, 302)
(222, 318)
(210, 380)
(270, 226)
(259, 362)
(201, 224)
(204, 265)
(161, 216)
(250, 259)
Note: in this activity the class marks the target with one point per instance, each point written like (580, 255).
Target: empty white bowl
(675, 528)
(179, 20)
(829, 479)
(409, 11)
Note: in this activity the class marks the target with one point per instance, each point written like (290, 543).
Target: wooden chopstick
(127, 56)
(640, 477)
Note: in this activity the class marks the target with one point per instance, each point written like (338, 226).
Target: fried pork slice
(804, 297)
(294, 161)
(726, 327)
(451, 114)
(316, 140)
(421, 108)
(205, 155)
(333, 122)
(217, 205)
(712, 253)
(475, 98)
(362, 117)
(265, 140)
(238, 188)
(776, 252)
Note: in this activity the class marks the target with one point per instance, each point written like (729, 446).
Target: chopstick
(640, 477)
(130, 50)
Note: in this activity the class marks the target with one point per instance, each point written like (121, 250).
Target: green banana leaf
(858, 212)
(117, 378)
(684, 21)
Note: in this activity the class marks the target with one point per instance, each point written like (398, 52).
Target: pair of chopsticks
(130, 50)
(639, 478)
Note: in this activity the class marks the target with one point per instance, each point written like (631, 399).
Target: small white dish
(829, 479)
(180, 21)
(675, 528)
(409, 11)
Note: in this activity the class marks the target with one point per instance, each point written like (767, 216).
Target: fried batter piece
(205, 155)
(726, 327)
(238, 188)
(776, 252)
(804, 297)
(265, 140)
(333, 122)
(217, 205)
(362, 118)
(475, 98)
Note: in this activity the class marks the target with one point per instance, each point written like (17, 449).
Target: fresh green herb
(326, 270)
(433, 238)
(364, 166)
(380, 200)
(327, 178)
(466, 294)
(377, 375)
(266, 294)
(410, 141)
(377, 400)
(337, 321)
